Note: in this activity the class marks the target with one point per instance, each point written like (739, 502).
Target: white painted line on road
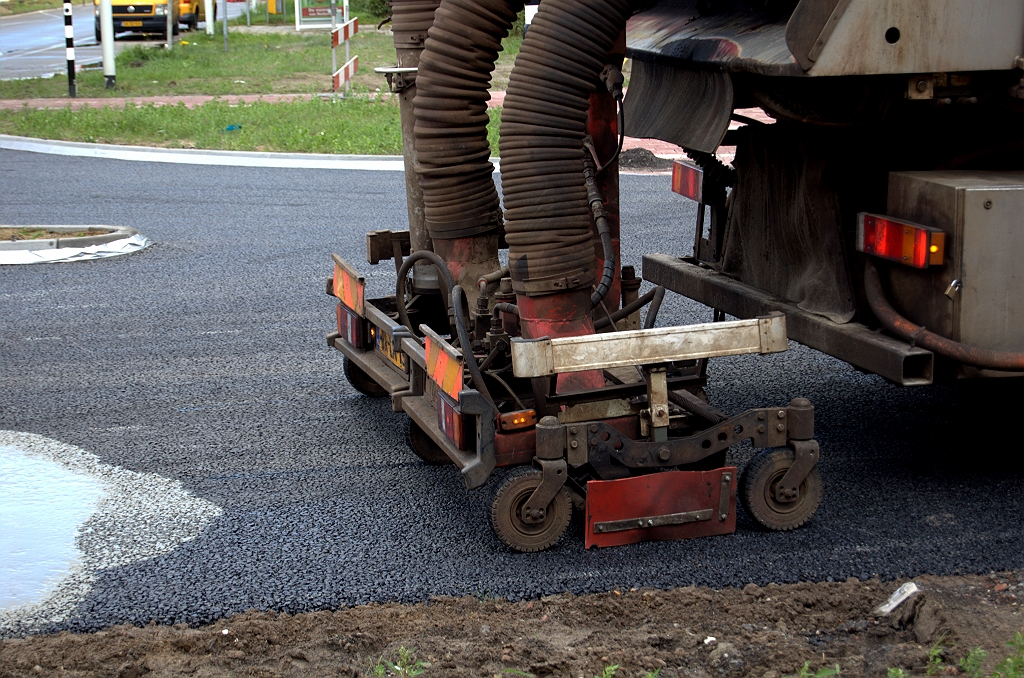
(392, 163)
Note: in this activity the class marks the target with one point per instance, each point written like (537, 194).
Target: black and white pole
(334, 41)
(69, 43)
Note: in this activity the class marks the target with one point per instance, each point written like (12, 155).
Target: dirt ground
(766, 632)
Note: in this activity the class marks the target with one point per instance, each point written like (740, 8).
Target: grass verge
(22, 6)
(358, 126)
(256, 63)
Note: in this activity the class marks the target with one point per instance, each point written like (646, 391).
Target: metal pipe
(695, 405)
(969, 355)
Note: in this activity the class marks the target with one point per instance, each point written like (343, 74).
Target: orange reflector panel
(513, 421)
(688, 180)
(901, 241)
(349, 286)
(444, 366)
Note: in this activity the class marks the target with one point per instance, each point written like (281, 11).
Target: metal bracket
(805, 456)
(398, 77)
(656, 521)
(724, 497)
(479, 469)
(657, 400)
(553, 475)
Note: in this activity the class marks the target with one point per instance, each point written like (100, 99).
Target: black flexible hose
(452, 83)
(506, 307)
(695, 405)
(633, 307)
(544, 122)
(652, 312)
(601, 220)
(446, 275)
(467, 347)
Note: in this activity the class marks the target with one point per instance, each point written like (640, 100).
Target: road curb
(189, 156)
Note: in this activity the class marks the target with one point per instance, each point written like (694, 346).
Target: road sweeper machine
(873, 211)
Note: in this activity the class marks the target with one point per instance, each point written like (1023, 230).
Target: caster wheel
(362, 382)
(424, 447)
(757, 486)
(506, 513)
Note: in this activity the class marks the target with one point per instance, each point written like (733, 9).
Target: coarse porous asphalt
(203, 359)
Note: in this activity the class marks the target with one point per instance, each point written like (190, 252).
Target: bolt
(761, 429)
(574, 444)
(988, 204)
(573, 430)
(782, 414)
(660, 411)
(723, 516)
(760, 416)
(640, 523)
(664, 454)
(593, 428)
(593, 441)
(781, 427)
(922, 85)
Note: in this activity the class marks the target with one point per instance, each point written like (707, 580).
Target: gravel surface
(203, 360)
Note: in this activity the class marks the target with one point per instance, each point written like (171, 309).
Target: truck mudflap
(661, 506)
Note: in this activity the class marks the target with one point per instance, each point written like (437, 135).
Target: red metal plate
(659, 494)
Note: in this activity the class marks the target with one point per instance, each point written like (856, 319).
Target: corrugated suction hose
(453, 156)
(548, 218)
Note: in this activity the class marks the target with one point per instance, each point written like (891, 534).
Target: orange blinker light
(513, 421)
(901, 241)
(688, 180)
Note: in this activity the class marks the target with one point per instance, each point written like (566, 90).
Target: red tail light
(688, 180)
(449, 420)
(902, 241)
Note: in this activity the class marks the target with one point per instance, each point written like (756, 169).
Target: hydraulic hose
(695, 405)
(544, 120)
(453, 154)
(628, 309)
(977, 357)
(601, 220)
(403, 272)
(467, 347)
(652, 312)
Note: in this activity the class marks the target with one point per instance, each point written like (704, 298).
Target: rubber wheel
(362, 382)
(506, 516)
(757, 485)
(424, 447)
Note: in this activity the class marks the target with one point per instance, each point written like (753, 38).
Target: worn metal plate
(544, 357)
(349, 285)
(671, 505)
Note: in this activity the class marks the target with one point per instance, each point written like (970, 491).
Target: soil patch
(46, 234)
(770, 632)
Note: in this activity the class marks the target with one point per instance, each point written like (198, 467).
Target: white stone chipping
(141, 515)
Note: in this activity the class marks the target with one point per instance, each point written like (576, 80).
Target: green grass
(405, 665)
(354, 125)
(22, 6)
(342, 126)
(261, 63)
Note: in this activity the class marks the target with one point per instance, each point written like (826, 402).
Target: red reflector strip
(349, 286)
(444, 366)
(344, 32)
(688, 180)
(513, 421)
(449, 420)
(351, 327)
(901, 241)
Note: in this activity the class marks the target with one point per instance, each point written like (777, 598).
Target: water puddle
(42, 507)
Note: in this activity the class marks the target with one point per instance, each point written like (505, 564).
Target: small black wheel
(424, 447)
(362, 382)
(757, 486)
(507, 519)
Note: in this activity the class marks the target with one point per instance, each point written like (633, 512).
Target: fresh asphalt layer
(202, 359)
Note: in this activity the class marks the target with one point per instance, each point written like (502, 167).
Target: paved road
(203, 360)
(32, 44)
